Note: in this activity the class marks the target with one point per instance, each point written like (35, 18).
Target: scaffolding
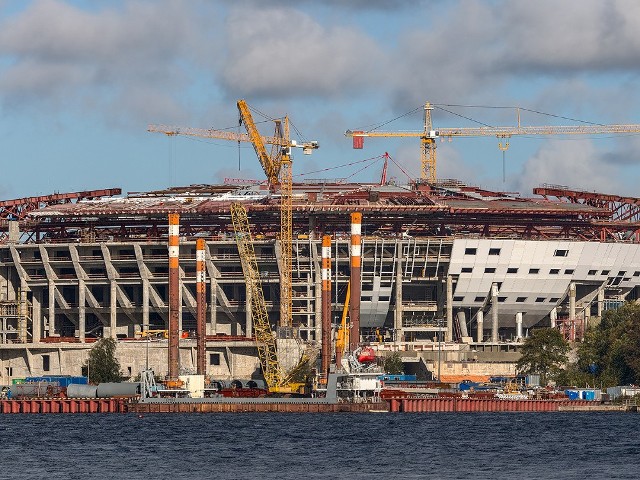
(16, 319)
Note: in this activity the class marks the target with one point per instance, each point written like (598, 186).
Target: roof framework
(448, 208)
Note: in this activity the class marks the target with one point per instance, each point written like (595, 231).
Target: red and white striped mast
(356, 287)
(201, 307)
(174, 294)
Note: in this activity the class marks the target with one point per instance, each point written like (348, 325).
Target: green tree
(543, 353)
(102, 365)
(610, 352)
(393, 364)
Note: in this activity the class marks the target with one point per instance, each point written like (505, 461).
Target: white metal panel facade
(534, 275)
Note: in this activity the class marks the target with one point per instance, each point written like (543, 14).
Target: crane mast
(277, 166)
(429, 135)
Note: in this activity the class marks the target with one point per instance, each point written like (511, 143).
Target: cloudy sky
(81, 80)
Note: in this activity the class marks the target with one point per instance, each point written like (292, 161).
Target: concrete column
(494, 313)
(519, 326)
(462, 321)
(113, 309)
(553, 316)
(52, 309)
(600, 302)
(213, 319)
(82, 310)
(449, 309)
(480, 320)
(145, 304)
(397, 318)
(572, 301)
(36, 313)
(248, 318)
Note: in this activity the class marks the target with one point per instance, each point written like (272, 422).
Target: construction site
(451, 275)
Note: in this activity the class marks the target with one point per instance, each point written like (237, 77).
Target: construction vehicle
(342, 335)
(429, 135)
(277, 166)
(275, 379)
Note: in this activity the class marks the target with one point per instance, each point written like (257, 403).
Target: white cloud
(575, 164)
(59, 56)
(285, 53)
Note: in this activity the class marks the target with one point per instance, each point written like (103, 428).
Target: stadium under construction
(452, 275)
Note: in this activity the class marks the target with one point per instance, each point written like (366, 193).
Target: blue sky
(80, 81)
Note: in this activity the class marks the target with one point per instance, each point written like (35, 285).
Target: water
(292, 446)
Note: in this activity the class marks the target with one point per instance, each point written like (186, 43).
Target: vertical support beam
(248, 319)
(480, 320)
(397, 318)
(600, 301)
(82, 310)
(145, 304)
(201, 306)
(326, 304)
(36, 332)
(113, 310)
(356, 285)
(213, 302)
(52, 308)
(449, 334)
(494, 313)
(519, 334)
(572, 302)
(174, 294)
(553, 316)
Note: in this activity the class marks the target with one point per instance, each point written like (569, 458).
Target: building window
(593, 272)
(467, 269)
(458, 299)
(490, 270)
(502, 299)
(479, 299)
(534, 271)
(561, 253)
(214, 359)
(554, 299)
(383, 298)
(622, 273)
(9, 371)
(554, 271)
(46, 363)
(539, 299)
(605, 272)
(521, 299)
(494, 251)
(568, 271)
(512, 270)
(470, 251)
(636, 274)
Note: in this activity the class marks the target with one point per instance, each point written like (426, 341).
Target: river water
(331, 446)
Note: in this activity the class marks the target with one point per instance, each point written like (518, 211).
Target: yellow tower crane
(429, 135)
(277, 167)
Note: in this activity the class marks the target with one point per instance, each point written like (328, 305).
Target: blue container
(572, 394)
(588, 395)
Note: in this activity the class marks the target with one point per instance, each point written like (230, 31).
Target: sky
(81, 80)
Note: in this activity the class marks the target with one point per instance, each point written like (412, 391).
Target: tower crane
(429, 135)
(277, 167)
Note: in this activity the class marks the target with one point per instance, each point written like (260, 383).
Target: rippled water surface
(298, 446)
